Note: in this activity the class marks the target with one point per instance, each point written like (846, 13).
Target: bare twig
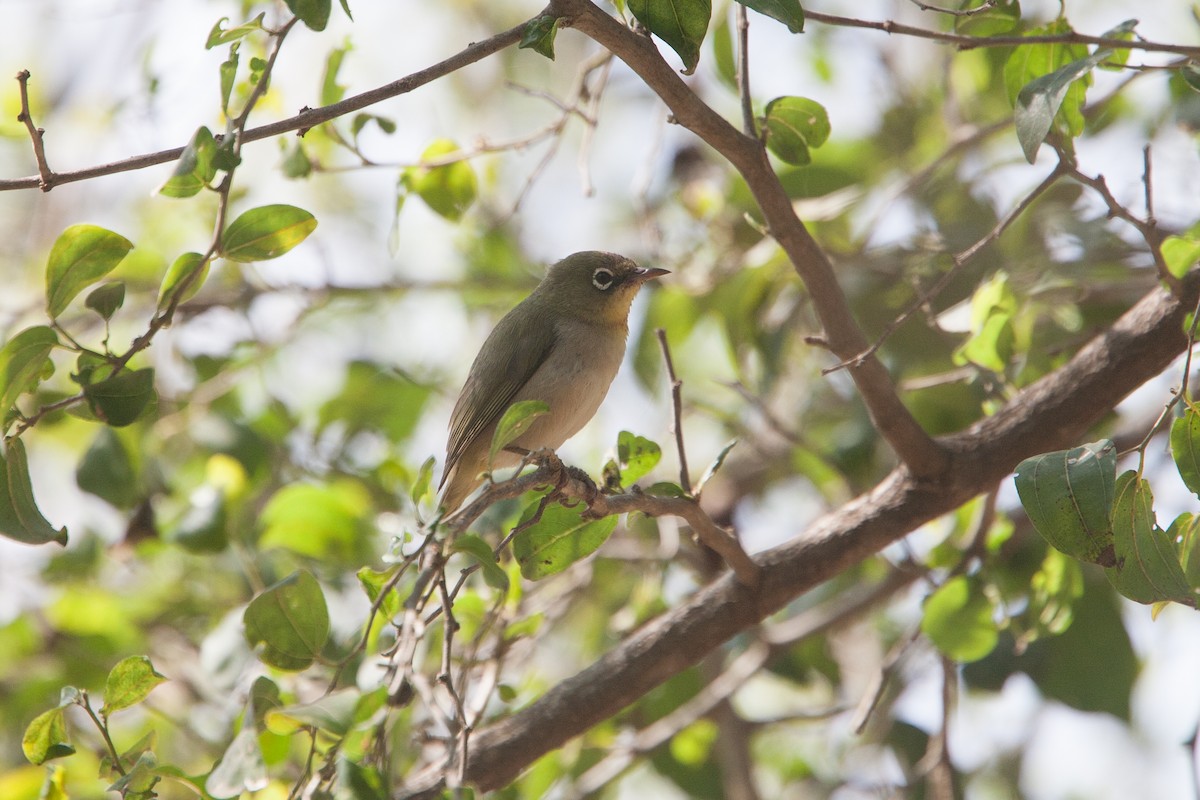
(685, 480)
(46, 177)
(966, 42)
(743, 73)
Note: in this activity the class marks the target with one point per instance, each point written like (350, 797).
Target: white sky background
(87, 56)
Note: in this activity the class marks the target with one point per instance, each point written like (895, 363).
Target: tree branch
(1053, 412)
(915, 448)
(306, 119)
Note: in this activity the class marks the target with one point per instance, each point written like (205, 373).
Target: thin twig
(677, 404)
(1147, 181)
(987, 5)
(743, 70)
(46, 177)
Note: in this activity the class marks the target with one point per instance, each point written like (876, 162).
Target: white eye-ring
(602, 279)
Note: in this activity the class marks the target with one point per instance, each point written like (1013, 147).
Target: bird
(562, 345)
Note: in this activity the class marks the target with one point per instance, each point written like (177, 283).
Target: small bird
(562, 345)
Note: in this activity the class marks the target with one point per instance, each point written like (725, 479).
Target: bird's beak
(642, 274)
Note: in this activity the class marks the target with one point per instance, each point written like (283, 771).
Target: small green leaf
(714, 466)
(636, 456)
(228, 75)
(794, 125)
(1068, 495)
(23, 361)
(204, 527)
(46, 737)
(958, 620)
(1148, 568)
(1184, 533)
(424, 480)
(560, 538)
(1181, 253)
(1190, 73)
(516, 421)
(195, 167)
(539, 35)
(313, 13)
(82, 255)
(373, 583)
(478, 549)
(1125, 32)
(1185, 448)
(291, 622)
(183, 280)
(448, 189)
(666, 489)
(121, 398)
(682, 24)
(128, 683)
(296, 163)
(1040, 99)
(107, 470)
(316, 520)
(788, 12)
(332, 91)
(107, 299)
(20, 518)
(266, 232)
(138, 781)
(218, 35)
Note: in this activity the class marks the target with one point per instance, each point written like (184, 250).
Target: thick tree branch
(915, 448)
(1052, 413)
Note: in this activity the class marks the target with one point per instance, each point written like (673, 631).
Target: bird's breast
(573, 380)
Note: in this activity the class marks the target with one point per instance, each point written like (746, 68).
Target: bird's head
(595, 286)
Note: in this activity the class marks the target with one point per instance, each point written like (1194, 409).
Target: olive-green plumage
(562, 345)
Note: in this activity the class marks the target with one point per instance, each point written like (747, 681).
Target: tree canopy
(895, 495)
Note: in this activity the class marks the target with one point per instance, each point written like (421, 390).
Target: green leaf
(266, 232)
(138, 782)
(788, 12)
(82, 255)
(362, 782)
(373, 583)
(218, 35)
(560, 538)
(424, 481)
(107, 299)
(183, 280)
(1148, 568)
(23, 361)
(1068, 495)
(636, 456)
(204, 527)
(228, 75)
(121, 398)
(539, 35)
(481, 552)
(449, 189)
(313, 13)
(241, 768)
(1181, 252)
(1184, 533)
(20, 518)
(682, 24)
(376, 398)
(1190, 73)
(794, 125)
(128, 683)
(333, 713)
(1185, 448)
(291, 622)
(1040, 99)
(195, 168)
(958, 620)
(1120, 56)
(332, 91)
(296, 163)
(316, 520)
(516, 420)
(107, 470)
(46, 737)
(712, 468)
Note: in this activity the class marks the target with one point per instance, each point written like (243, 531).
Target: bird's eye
(602, 279)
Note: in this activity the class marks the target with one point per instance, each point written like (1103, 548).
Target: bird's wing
(495, 379)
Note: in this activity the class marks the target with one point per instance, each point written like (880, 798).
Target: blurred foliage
(249, 494)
